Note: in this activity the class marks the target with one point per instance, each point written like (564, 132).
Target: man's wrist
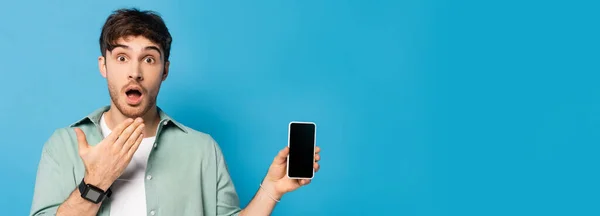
(97, 182)
(271, 189)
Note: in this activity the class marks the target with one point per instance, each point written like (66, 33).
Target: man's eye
(149, 60)
(121, 58)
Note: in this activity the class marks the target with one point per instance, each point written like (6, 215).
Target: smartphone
(302, 143)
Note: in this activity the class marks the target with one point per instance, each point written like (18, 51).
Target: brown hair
(133, 22)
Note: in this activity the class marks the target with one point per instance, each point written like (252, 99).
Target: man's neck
(151, 120)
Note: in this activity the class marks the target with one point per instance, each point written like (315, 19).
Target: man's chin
(134, 111)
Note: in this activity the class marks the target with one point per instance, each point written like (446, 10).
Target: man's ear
(102, 66)
(166, 72)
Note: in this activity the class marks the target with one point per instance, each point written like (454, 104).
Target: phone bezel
(314, 148)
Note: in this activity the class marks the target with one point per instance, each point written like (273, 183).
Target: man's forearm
(75, 205)
(263, 202)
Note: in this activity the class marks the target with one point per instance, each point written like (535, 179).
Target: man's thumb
(81, 140)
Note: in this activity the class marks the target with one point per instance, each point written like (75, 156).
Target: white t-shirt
(128, 191)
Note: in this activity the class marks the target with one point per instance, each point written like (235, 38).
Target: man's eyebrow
(153, 48)
(121, 45)
(145, 48)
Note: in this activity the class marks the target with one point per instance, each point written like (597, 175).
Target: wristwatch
(93, 193)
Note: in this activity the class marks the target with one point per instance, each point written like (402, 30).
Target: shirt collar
(95, 116)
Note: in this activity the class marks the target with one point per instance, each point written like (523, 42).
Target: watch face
(92, 194)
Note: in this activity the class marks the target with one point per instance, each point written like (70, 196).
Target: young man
(132, 159)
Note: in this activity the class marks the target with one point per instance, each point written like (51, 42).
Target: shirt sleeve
(54, 179)
(228, 203)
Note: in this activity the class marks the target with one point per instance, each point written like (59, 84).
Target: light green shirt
(189, 174)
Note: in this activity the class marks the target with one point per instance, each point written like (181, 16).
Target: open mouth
(134, 95)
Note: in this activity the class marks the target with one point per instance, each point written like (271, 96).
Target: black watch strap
(93, 193)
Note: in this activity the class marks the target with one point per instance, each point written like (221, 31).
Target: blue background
(423, 107)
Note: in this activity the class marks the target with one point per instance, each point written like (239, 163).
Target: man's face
(134, 70)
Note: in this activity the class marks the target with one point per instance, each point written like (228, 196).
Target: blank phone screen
(302, 144)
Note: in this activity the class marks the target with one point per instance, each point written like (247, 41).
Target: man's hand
(277, 181)
(105, 162)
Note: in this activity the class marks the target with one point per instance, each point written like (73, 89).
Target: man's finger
(133, 138)
(135, 146)
(304, 182)
(114, 135)
(81, 140)
(317, 157)
(282, 156)
(317, 150)
(316, 166)
(125, 135)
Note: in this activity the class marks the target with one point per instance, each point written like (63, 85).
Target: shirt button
(149, 177)
(166, 122)
(152, 212)
(154, 145)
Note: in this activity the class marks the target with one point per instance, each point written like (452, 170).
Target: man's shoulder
(194, 136)
(194, 133)
(61, 134)
(193, 140)
(61, 145)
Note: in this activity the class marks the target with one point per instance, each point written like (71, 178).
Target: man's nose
(136, 73)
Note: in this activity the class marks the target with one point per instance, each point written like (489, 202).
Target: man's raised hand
(105, 162)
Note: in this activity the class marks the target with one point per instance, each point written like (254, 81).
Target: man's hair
(133, 22)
